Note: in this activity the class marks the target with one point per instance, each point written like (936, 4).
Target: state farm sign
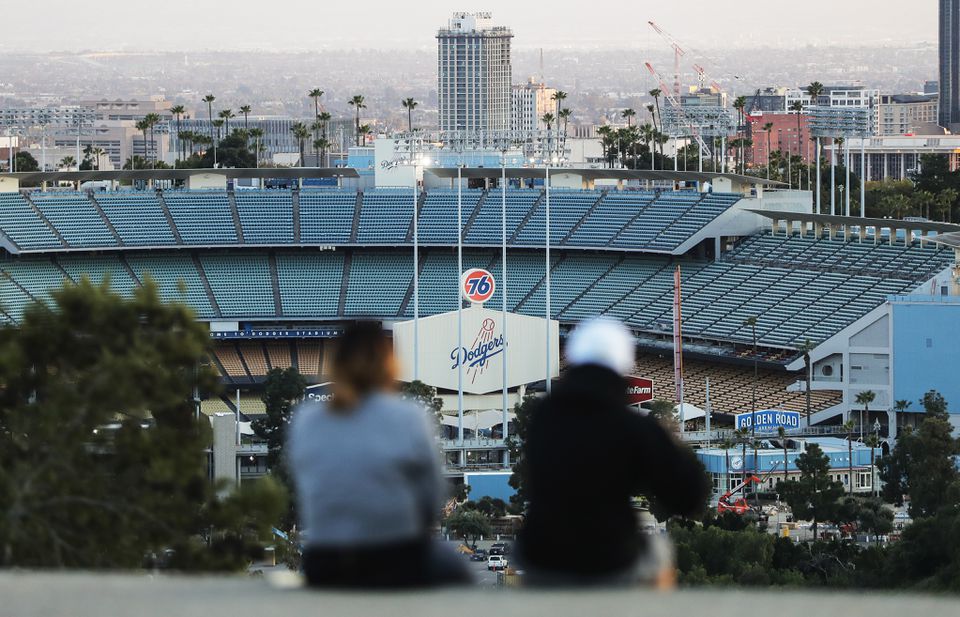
(639, 390)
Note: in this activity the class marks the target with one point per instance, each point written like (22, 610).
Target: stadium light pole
(846, 165)
(460, 307)
(504, 431)
(818, 175)
(833, 177)
(863, 176)
(546, 279)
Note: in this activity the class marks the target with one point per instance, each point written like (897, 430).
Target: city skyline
(621, 24)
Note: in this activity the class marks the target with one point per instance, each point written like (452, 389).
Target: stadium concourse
(278, 272)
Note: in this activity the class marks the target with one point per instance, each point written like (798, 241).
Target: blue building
(768, 465)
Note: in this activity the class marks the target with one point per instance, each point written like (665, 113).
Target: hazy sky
(311, 24)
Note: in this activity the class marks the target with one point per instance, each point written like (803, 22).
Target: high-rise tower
(474, 74)
(950, 65)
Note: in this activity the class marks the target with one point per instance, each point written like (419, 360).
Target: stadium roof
(182, 174)
(830, 219)
(951, 239)
(474, 173)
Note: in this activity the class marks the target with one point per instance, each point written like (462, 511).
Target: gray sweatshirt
(365, 477)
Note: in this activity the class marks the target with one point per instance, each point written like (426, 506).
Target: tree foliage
(469, 525)
(101, 458)
(282, 389)
(423, 395)
(814, 495)
(523, 413)
(923, 464)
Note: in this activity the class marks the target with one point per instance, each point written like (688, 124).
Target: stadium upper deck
(645, 221)
(254, 256)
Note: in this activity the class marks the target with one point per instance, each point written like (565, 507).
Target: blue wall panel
(926, 350)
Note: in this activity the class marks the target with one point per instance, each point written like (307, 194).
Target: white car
(497, 562)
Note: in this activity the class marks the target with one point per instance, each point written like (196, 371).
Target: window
(863, 480)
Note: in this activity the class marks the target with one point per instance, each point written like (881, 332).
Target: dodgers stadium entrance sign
(769, 420)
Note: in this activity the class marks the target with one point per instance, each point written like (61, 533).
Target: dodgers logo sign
(485, 345)
(769, 420)
(477, 285)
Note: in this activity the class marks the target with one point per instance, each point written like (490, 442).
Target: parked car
(496, 562)
(479, 555)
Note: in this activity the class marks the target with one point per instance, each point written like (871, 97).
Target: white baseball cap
(602, 341)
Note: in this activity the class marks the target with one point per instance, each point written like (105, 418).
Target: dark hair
(362, 364)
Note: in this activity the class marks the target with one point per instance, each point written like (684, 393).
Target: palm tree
(900, 407)
(226, 114)
(358, 103)
(409, 104)
(257, 134)
(143, 126)
(315, 94)
(152, 120)
(797, 108)
(217, 124)
(805, 348)
(740, 103)
(97, 154)
(656, 93)
(865, 398)
(848, 426)
(606, 141)
(324, 119)
(873, 442)
(768, 128)
(814, 90)
(564, 115)
(316, 126)
(782, 435)
(209, 99)
(178, 111)
(727, 445)
(558, 98)
(365, 129)
(548, 119)
(68, 162)
(245, 110)
(646, 133)
(300, 132)
(322, 144)
(629, 114)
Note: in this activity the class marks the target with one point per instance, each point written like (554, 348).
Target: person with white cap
(585, 456)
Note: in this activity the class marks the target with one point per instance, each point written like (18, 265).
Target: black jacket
(587, 454)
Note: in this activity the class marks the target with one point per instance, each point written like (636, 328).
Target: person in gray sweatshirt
(367, 476)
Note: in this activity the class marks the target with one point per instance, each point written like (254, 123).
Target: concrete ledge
(33, 594)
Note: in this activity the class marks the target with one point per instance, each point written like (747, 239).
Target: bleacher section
(75, 218)
(730, 386)
(266, 217)
(22, 225)
(137, 216)
(306, 355)
(202, 217)
(385, 216)
(326, 216)
(588, 219)
(804, 297)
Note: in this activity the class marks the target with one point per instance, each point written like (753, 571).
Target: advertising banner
(769, 420)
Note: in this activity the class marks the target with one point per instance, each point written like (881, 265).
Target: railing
(473, 444)
(723, 434)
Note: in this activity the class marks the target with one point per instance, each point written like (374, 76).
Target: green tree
(67, 162)
(231, 152)
(468, 525)
(523, 413)
(226, 115)
(922, 465)
(257, 134)
(865, 398)
(24, 161)
(492, 506)
(300, 133)
(101, 457)
(629, 114)
(425, 396)
(813, 496)
(849, 427)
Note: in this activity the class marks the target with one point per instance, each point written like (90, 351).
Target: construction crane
(678, 52)
(672, 99)
(740, 505)
(702, 77)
